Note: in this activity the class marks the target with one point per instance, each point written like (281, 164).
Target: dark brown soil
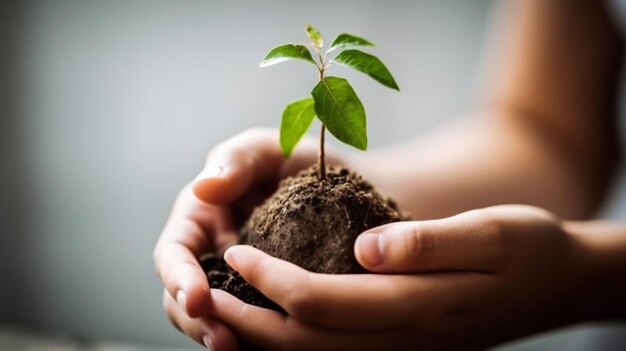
(308, 222)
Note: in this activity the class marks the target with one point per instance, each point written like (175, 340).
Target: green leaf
(341, 111)
(346, 39)
(297, 118)
(286, 52)
(314, 35)
(368, 64)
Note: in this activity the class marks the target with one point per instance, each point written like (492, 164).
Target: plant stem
(321, 161)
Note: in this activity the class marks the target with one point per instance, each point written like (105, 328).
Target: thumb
(236, 164)
(456, 243)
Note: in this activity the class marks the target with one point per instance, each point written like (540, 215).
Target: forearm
(477, 162)
(545, 131)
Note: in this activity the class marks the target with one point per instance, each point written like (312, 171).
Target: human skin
(543, 135)
(490, 274)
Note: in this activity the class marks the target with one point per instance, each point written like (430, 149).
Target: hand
(464, 282)
(238, 174)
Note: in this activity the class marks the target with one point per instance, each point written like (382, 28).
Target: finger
(217, 227)
(251, 157)
(210, 332)
(325, 299)
(233, 166)
(473, 240)
(188, 234)
(366, 301)
(274, 331)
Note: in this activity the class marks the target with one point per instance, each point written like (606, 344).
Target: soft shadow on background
(109, 108)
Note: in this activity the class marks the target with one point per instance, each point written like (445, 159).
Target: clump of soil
(308, 222)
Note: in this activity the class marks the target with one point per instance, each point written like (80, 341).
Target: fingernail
(229, 255)
(181, 298)
(211, 171)
(368, 248)
(208, 343)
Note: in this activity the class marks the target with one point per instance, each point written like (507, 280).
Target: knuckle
(537, 213)
(298, 303)
(491, 223)
(496, 230)
(233, 148)
(301, 302)
(546, 218)
(418, 243)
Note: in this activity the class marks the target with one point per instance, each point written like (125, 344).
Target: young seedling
(333, 100)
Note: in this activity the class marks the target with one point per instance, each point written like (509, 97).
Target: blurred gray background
(109, 107)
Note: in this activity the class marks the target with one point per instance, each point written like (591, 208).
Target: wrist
(601, 258)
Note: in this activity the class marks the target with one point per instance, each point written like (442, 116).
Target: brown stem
(321, 161)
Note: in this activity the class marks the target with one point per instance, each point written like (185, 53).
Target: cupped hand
(464, 282)
(238, 174)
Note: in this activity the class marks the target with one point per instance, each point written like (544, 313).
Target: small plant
(299, 222)
(333, 100)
